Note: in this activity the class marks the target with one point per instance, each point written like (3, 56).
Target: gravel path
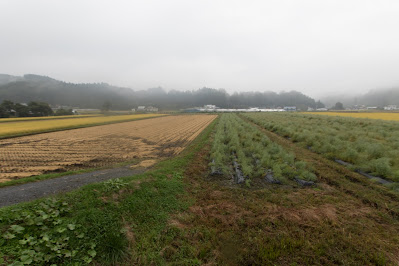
(30, 191)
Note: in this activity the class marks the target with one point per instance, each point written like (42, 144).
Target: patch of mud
(177, 224)
(168, 149)
(254, 184)
(311, 214)
(226, 213)
(145, 164)
(130, 236)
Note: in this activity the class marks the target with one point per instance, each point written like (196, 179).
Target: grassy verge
(121, 220)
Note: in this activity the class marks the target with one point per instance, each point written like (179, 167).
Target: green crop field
(369, 145)
(253, 153)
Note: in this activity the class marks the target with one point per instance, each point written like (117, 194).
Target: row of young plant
(241, 149)
(371, 146)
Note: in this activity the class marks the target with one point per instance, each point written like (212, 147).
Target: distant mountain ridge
(375, 98)
(45, 89)
(38, 88)
(4, 79)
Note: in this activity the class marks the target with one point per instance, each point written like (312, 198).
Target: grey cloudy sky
(317, 47)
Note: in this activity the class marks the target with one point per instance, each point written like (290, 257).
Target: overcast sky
(314, 46)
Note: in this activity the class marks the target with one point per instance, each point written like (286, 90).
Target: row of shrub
(237, 140)
(32, 109)
(370, 145)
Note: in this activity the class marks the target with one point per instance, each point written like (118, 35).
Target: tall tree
(40, 109)
(339, 106)
(106, 106)
(22, 110)
(3, 112)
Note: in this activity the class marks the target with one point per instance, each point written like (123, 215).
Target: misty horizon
(317, 48)
(323, 97)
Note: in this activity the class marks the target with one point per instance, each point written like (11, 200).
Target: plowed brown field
(98, 146)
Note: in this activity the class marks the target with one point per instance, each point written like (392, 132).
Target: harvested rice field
(383, 116)
(98, 146)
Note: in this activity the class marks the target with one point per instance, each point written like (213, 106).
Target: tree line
(377, 98)
(32, 109)
(97, 95)
(185, 99)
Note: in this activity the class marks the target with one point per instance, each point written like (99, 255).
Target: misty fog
(320, 48)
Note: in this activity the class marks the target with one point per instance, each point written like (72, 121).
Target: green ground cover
(256, 154)
(370, 145)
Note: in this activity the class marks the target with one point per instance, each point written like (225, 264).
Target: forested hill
(379, 98)
(4, 79)
(44, 89)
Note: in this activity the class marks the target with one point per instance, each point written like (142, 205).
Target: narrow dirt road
(31, 191)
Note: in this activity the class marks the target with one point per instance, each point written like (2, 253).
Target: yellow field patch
(383, 116)
(29, 127)
(17, 119)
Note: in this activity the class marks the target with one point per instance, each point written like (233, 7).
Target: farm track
(98, 146)
(31, 191)
(341, 178)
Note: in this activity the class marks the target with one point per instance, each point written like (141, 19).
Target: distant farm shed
(147, 109)
(151, 109)
(290, 108)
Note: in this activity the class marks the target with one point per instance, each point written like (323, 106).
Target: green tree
(8, 105)
(6, 108)
(22, 110)
(3, 112)
(40, 109)
(320, 104)
(107, 106)
(63, 112)
(339, 106)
